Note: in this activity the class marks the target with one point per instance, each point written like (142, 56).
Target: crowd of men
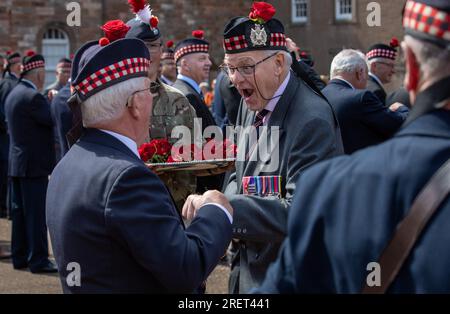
(306, 212)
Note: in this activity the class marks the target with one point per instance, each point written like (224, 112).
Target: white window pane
(299, 10)
(55, 45)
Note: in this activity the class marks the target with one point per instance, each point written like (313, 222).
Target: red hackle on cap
(103, 42)
(30, 53)
(137, 5)
(262, 11)
(115, 29)
(154, 21)
(198, 34)
(170, 44)
(394, 42)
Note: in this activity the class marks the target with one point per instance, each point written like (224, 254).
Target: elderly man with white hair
(363, 118)
(295, 128)
(377, 221)
(113, 225)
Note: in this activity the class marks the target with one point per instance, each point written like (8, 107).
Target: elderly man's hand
(195, 202)
(51, 94)
(395, 106)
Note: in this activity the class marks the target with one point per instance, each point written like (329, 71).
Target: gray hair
(347, 61)
(287, 56)
(434, 61)
(109, 104)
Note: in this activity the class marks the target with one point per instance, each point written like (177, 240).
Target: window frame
(344, 17)
(299, 19)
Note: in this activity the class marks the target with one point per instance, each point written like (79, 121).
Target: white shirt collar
(167, 81)
(280, 91)
(125, 140)
(191, 82)
(349, 84)
(375, 78)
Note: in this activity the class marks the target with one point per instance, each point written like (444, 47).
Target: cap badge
(258, 36)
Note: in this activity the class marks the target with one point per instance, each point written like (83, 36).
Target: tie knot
(260, 117)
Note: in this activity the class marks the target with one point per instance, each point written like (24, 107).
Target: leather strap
(411, 227)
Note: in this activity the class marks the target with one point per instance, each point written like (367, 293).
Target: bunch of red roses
(157, 151)
(160, 151)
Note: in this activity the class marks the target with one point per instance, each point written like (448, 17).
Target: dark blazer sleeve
(201, 110)
(40, 110)
(264, 218)
(141, 216)
(379, 118)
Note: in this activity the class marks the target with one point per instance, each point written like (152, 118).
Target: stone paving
(14, 281)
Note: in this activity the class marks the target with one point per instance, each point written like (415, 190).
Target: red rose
(262, 10)
(115, 29)
(162, 147)
(147, 151)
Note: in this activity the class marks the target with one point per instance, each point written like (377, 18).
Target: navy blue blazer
(346, 210)
(110, 214)
(62, 121)
(363, 119)
(6, 86)
(31, 152)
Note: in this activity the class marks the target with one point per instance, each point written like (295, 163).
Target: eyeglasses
(153, 89)
(245, 70)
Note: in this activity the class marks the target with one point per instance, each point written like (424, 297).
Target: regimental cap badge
(258, 31)
(258, 36)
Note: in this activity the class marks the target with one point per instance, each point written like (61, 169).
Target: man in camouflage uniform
(170, 109)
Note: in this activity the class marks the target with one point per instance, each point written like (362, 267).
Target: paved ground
(13, 281)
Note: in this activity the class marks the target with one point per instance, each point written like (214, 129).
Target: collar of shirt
(375, 78)
(273, 103)
(128, 142)
(348, 83)
(166, 80)
(30, 83)
(190, 82)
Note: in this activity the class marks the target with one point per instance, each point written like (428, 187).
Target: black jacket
(30, 126)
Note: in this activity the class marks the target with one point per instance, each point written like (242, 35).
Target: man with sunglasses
(381, 63)
(280, 109)
(170, 107)
(109, 216)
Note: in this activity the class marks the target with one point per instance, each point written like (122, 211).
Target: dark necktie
(260, 117)
(257, 123)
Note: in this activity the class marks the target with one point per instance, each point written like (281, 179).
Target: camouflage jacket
(170, 109)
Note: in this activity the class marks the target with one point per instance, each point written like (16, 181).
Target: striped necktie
(260, 117)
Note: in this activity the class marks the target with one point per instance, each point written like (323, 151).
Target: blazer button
(239, 230)
(244, 231)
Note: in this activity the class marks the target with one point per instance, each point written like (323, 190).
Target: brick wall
(23, 22)
(324, 37)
